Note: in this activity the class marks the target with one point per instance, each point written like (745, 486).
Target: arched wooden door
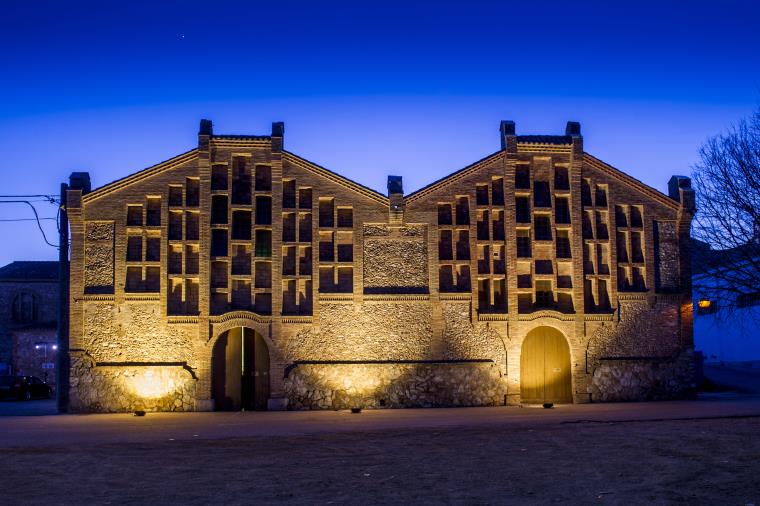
(240, 371)
(545, 367)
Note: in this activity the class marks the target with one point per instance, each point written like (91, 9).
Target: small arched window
(24, 308)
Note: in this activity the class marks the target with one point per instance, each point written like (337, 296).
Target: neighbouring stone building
(28, 316)
(240, 275)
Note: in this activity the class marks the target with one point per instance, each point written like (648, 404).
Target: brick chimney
(396, 196)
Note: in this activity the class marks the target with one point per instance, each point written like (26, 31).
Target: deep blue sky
(365, 89)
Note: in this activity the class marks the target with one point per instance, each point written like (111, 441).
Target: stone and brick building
(28, 316)
(240, 275)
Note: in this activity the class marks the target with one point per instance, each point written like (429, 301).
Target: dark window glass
(218, 243)
(444, 214)
(134, 248)
(289, 194)
(326, 212)
(541, 195)
(543, 228)
(241, 225)
(304, 198)
(463, 211)
(219, 177)
(153, 249)
(134, 216)
(263, 210)
(523, 246)
(241, 181)
(263, 178)
(562, 210)
(561, 178)
(263, 243)
(345, 217)
(522, 214)
(563, 246)
(522, 177)
(219, 209)
(175, 196)
(497, 192)
(585, 193)
(481, 194)
(601, 196)
(192, 192)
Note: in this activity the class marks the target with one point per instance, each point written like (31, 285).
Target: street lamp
(44, 347)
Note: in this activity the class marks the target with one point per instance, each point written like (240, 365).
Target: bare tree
(727, 181)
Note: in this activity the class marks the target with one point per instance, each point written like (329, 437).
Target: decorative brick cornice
(335, 178)
(546, 313)
(336, 297)
(300, 320)
(454, 177)
(455, 296)
(246, 315)
(95, 298)
(143, 174)
(493, 317)
(390, 297)
(630, 181)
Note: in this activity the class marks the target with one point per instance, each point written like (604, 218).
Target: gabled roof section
(30, 271)
(630, 181)
(143, 174)
(453, 176)
(334, 177)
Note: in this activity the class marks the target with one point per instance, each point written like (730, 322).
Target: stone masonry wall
(644, 330)
(135, 332)
(127, 388)
(668, 269)
(382, 331)
(344, 386)
(395, 258)
(99, 257)
(462, 340)
(645, 380)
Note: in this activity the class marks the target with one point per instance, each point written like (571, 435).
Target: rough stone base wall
(129, 387)
(344, 386)
(645, 380)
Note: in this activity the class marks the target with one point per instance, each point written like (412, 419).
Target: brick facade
(375, 300)
(28, 314)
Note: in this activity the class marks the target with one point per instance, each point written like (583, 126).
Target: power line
(27, 219)
(36, 217)
(28, 196)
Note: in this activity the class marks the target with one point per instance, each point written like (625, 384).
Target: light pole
(44, 347)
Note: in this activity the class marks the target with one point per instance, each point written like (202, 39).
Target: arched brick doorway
(545, 367)
(240, 371)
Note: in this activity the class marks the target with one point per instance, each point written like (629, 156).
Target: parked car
(24, 388)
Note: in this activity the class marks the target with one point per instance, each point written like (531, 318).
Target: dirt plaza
(695, 452)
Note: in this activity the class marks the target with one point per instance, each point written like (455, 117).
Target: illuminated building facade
(239, 275)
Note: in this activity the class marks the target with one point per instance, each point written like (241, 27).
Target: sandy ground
(690, 452)
(711, 461)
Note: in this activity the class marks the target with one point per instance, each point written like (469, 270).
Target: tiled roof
(30, 271)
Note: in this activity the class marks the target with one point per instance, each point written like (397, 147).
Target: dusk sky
(365, 89)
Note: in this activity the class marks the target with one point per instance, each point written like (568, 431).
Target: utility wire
(36, 216)
(49, 196)
(26, 219)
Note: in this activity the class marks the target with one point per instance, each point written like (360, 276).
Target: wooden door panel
(545, 367)
(261, 374)
(557, 368)
(532, 368)
(234, 368)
